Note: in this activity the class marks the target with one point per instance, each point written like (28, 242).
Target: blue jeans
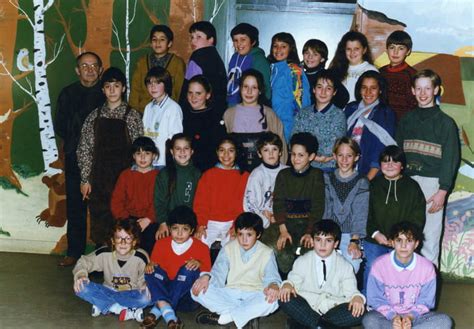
(104, 297)
(345, 240)
(171, 291)
(372, 251)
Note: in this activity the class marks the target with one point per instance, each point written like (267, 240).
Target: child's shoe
(150, 321)
(131, 313)
(175, 324)
(138, 315)
(95, 311)
(207, 318)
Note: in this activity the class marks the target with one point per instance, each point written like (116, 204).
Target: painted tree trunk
(48, 141)
(8, 30)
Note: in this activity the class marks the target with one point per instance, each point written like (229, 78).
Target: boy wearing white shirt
(321, 287)
(162, 117)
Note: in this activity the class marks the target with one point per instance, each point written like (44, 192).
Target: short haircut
(410, 229)
(430, 74)
(160, 75)
(327, 227)
(326, 75)
(164, 29)
(78, 58)
(399, 38)
(249, 220)
(182, 215)
(307, 140)
(205, 27)
(380, 81)
(113, 74)
(353, 145)
(394, 153)
(247, 29)
(144, 143)
(130, 226)
(318, 46)
(269, 138)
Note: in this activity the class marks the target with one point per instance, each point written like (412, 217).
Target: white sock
(225, 318)
(116, 308)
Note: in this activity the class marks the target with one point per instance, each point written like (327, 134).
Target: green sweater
(299, 195)
(392, 202)
(186, 184)
(430, 140)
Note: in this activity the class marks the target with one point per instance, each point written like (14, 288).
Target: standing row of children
(299, 197)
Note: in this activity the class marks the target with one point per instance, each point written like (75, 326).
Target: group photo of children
(284, 181)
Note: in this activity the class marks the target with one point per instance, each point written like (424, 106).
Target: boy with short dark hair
(248, 55)
(258, 197)
(321, 288)
(206, 60)
(176, 262)
(399, 74)
(430, 140)
(244, 281)
(402, 285)
(298, 202)
(161, 40)
(133, 192)
(163, 116)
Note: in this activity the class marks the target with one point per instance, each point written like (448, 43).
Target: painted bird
(22, 60)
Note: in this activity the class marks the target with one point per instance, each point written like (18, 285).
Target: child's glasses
(126, 239)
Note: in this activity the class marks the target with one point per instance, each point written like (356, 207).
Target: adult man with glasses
(75, 102)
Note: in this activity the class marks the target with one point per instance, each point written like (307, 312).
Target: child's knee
(187, 274)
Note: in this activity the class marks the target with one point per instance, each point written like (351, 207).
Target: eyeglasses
(126, 239)
(87, 67)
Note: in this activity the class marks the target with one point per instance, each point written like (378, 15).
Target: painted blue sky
(439, 26)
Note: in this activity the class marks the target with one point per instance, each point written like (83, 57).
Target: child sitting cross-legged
(124, 290)
(244, 281)
(321, 289)
(402, 285)
(176, 262)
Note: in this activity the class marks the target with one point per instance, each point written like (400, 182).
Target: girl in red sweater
(219, 195)
(133, 193)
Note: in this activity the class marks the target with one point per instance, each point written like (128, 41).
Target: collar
(246, 254)
(220, 166)
(181, 248)
(301, 173)
(162, 102)
(324, 110)
(397, 68)
(399, 266)
(135, 168)
(266, 165)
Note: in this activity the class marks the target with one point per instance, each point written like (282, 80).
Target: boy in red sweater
(399, 74)
(133, 193)
(176, 262)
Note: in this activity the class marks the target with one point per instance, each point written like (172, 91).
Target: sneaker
(207, 318)
(138, 315)
(95, 311)
(150, 321)
(175, 324)
(127, 314)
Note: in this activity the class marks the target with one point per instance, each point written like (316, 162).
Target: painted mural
(39, 40)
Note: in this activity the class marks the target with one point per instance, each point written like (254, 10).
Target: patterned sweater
(327, 125)
(393, 289)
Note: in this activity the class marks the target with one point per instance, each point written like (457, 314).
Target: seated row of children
(244, 283)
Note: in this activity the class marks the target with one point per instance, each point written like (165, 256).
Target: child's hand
(284, 235)
(149, 268)
(354, 250)
(397, 322)
(193, 264)
(200, 232)
(356, 305)
(406, 322)
(144, 222)
(307, 241)
(162, 232)
(437, 201)
(200, 284)
(79, 284)
(269, 215)
(86, 189)
(271, 293)
(382, 239)
(286, 291)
